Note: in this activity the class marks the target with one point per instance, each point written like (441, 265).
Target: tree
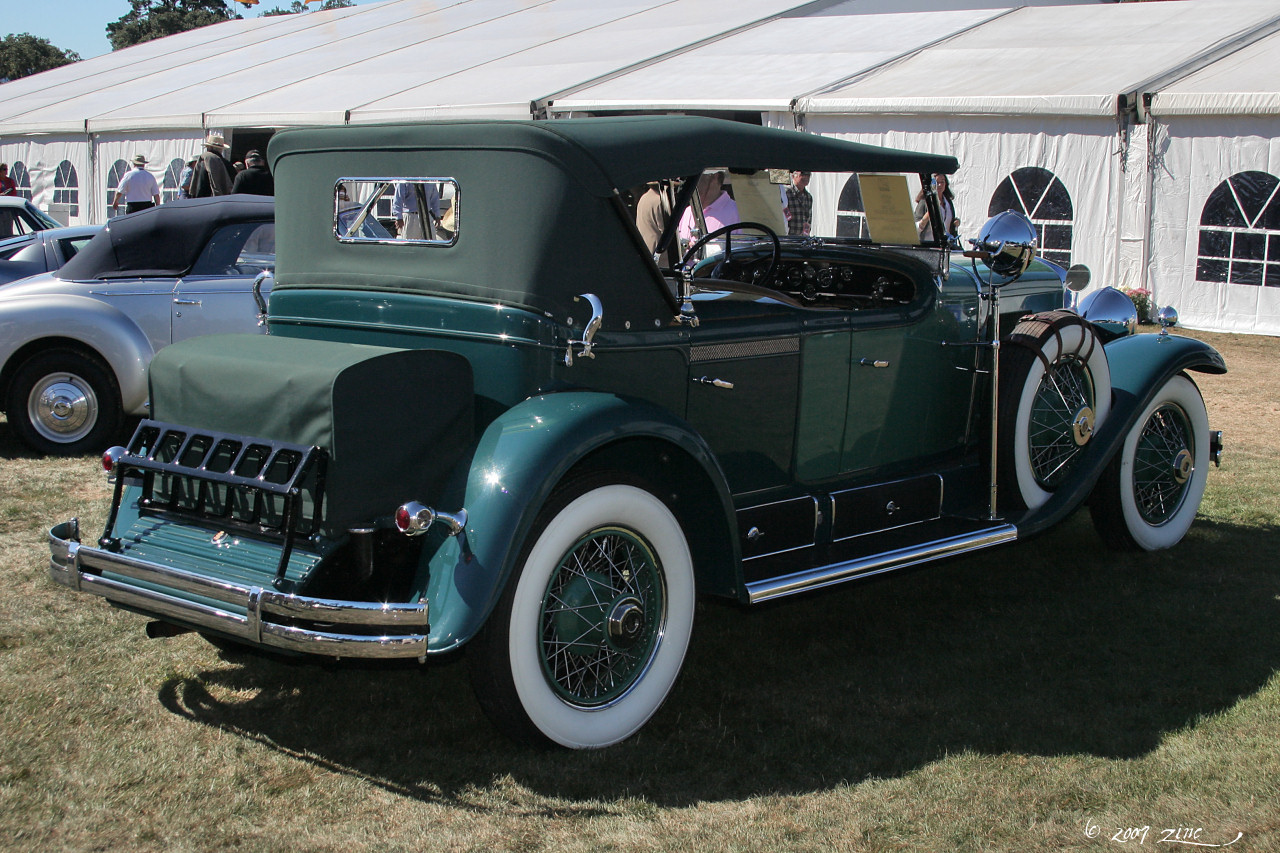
(301, 6)
(153, 19)
(24, 54)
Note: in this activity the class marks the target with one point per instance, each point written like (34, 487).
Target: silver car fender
(98, 326)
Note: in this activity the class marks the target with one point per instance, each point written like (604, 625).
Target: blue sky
(81, 25)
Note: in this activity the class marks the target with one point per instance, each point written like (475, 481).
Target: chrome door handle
(719, 383)
(870, 362)
(177, 301)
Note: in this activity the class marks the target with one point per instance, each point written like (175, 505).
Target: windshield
(882, 208)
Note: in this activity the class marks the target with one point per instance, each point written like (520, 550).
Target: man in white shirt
(138, 188)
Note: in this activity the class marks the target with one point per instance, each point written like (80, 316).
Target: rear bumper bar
(271, 619)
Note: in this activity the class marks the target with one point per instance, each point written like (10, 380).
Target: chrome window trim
(368, 206)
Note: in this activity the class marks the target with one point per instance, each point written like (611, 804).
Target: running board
(876, 564)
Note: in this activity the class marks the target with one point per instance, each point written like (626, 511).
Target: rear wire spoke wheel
(589, 635)
(1055, 393)
(1150, 492)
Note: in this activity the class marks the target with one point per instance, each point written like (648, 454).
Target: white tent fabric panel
(165, 153)
(1078, 151)
(1246, 82)
(1056, 60)
(767, 67)
(1197, 154)
(56, 170)
(585, 39)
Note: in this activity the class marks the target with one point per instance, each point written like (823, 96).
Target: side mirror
(1078, 276)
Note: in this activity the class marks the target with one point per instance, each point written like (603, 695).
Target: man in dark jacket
(212, 175)
(255, 179)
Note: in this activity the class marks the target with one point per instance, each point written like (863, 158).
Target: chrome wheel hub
(1082, 426)
(1183, 466)
(62, 408)
(626, 621)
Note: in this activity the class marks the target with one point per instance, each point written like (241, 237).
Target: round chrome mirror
(1010, 241)
(1078, 276)
(1168, 316)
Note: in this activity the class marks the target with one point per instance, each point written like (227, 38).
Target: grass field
(1046, 696)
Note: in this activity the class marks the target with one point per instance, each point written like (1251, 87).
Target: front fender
(1140, 365)
(518, 462)
(27, 320)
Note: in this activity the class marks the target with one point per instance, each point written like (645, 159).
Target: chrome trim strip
(835, 573)
(406, 623)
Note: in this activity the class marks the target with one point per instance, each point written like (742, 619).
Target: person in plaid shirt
(799, 206)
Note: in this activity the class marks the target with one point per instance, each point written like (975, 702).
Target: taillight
(413, 518)
(111, 458)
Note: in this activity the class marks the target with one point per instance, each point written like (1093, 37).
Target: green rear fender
(1140, 365)
(540, 443)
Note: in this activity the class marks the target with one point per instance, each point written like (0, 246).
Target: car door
(216, 297)
(145, 301)
(744, 378)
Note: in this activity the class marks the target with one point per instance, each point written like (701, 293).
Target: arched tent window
(1041, 196)
(172, 176)
(18, 171)
(851, 217)
(1240, 231)
(66, 188)
(114, 176)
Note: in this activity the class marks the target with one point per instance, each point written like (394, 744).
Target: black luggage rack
(267, 488)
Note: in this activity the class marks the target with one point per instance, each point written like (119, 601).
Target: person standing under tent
(138, 188)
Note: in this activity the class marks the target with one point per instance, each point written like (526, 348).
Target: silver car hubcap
(62, 407)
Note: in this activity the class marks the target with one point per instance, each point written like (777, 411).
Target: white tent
(1117, 126)
(71, 129)
(1037, 103)
(1215, 217)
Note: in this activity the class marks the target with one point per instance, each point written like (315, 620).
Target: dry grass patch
(1016, 700)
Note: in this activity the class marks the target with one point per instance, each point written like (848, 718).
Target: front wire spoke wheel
(1150, 491)
(1162, 466)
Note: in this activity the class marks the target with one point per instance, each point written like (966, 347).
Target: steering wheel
(770, 273)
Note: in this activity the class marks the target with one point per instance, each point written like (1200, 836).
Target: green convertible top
(537, 218)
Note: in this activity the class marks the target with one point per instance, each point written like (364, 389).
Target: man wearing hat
(212, 175)
(138, 188)
(255, 179)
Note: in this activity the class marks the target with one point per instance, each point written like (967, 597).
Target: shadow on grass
(1049, 647)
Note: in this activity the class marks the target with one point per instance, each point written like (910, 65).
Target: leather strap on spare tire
(1033, 329)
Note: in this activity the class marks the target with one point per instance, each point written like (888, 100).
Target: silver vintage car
(75, 343)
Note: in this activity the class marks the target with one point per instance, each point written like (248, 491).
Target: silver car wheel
(62, 407)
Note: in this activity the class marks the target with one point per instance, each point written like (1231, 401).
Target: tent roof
(493, 56)
(413, 59)
(1246, 82)
(767, 67)
(1055, 60)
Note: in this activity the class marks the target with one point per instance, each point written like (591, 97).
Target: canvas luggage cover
(394, 421)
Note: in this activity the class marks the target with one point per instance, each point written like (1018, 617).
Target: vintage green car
(515, 425)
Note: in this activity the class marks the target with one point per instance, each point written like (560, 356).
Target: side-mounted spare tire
(1055, 392)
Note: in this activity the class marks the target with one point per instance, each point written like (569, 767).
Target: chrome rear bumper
(271, 619)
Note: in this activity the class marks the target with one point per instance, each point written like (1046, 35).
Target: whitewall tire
(591, 631)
